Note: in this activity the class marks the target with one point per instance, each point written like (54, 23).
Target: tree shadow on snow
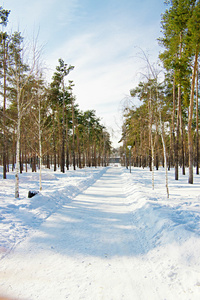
(98, 223)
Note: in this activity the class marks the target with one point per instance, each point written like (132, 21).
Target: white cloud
(45, 16)
(103, 52)
(106, 68)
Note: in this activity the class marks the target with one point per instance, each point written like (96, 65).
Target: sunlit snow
(100, 233)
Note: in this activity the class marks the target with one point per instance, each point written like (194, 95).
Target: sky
(103, 39)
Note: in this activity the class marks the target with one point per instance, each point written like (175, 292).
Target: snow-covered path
(91, 248)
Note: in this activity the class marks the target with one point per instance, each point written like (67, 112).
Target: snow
(100, 233)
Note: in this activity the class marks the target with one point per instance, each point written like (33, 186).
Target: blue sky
(100, 38)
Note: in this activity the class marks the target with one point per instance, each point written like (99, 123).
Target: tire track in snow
(110, 240)
(126, 249)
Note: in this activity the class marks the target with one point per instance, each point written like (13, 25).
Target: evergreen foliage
(40, 122)
(175, 100)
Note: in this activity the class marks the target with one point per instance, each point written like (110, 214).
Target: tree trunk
(89, 157)
(62, 165)
(18, 148)
(182, 144)
(173, 130)
(152, 161)
(13, 151)
(95, 159)
(4, 110)
(40, 145)
(48, 161)
(190, 116)
(73, 136)
(197, 126)
(34, 162)
(78, 148)
(54, 143)
(21, 160)
(165, 157)
(177, 132)
(150, 135)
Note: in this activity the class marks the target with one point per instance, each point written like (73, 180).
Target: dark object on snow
(32, 193)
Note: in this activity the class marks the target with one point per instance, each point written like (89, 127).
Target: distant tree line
(41, 123)
(169, 110)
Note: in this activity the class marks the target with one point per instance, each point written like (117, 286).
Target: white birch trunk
(151, 137)
(165, 157)
(152, 161)
(40, 147)
(40, 176)
(21, 109)
(17, 148)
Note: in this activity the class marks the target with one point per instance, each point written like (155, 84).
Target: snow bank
(161, 241)
(19, 216)
(169, 229)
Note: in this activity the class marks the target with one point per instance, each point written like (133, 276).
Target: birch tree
(39, 111)
(21, 73)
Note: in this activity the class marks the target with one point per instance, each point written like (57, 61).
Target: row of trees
(41, 123)
(165, 127)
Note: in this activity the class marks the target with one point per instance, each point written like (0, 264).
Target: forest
(164, 129)
(41, 123)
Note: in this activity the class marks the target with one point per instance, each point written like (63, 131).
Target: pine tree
(61, 71)
(4, 41)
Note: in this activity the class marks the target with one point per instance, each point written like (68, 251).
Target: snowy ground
(100, 234)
